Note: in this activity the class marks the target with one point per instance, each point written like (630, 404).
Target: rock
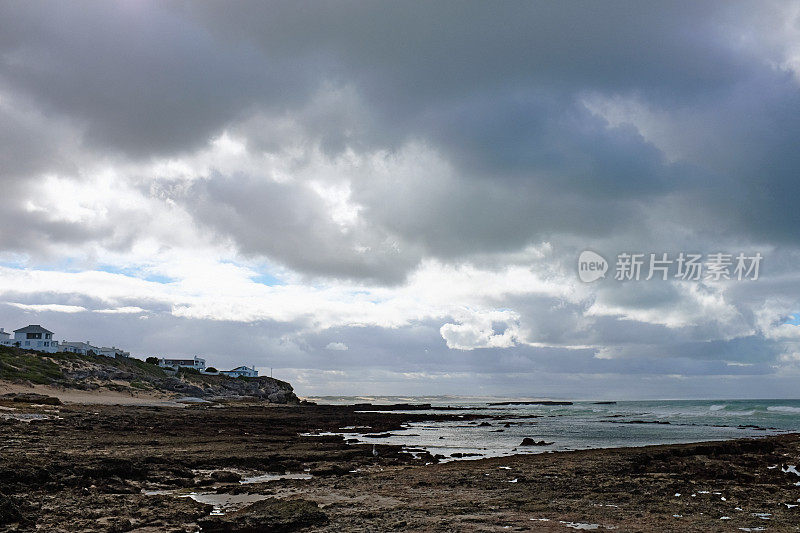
(32, 397)
(119, 525)
(272, 515)
(9, 512)
(527, 441)
(225, 476)
(332, 470)
(277, 397)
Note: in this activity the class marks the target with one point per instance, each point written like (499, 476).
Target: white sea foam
(783, 409)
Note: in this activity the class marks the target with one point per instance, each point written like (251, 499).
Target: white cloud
(336, 346)
(121, 310)
(56, 308)
(479, 330)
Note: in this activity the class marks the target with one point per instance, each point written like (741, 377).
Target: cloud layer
(394, 196)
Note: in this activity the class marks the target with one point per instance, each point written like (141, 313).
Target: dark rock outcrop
(267, 515)
(527, 441)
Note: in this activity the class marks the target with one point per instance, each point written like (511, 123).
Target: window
(27, 343)
(33, 336)
(48, 336)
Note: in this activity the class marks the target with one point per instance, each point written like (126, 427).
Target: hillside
(89, 372)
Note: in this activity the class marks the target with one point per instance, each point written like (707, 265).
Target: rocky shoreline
(265, 467)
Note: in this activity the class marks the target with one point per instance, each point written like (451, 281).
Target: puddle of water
(224, 503)
(580, 525)
(792, 469)
(24, 417)
(273, 477)
(249, 476)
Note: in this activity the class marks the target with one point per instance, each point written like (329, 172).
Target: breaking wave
(783, 409)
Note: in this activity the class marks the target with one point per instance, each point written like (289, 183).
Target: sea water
(582, 425)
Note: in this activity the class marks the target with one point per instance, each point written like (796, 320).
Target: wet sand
(152, 468)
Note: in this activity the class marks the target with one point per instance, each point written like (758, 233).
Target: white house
(5, 337)
(196, 363)
(246, 371)
(35, 337)
(113, 352)
(82, 348)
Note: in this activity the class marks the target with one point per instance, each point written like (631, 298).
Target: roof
(33, 328)
(241, 368)
(78, 343)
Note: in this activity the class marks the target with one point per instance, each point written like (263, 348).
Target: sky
(391, 197)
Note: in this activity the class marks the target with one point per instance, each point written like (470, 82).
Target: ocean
(582, 425)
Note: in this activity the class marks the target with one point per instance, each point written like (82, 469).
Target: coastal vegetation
(128, 374)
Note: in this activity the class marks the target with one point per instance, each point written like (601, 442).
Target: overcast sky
(391, 197)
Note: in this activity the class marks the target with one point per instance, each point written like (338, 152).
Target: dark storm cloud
(289, 222)
(140, 79)
(495, 89)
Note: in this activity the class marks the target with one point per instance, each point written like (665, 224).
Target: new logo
(591, 266)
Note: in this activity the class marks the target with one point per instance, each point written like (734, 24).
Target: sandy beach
(99, 396)
(146, 468)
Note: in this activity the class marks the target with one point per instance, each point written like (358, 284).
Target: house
(246, 371)
(5, 337)
(82, 348)
(35, 337)
(113, 352)
(196, 363)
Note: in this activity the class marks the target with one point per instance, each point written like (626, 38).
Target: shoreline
(99, 467)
